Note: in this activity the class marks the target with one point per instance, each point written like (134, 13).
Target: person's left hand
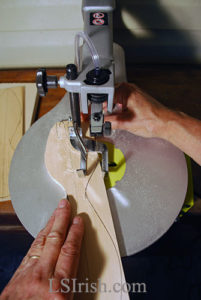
(53, 256)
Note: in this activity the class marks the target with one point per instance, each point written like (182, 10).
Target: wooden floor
(176, 86)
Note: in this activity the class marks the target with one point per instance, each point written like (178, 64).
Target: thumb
(113, 119)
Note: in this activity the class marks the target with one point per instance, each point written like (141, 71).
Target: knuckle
(65, 211)
(39, 241)
(41, 231)
(70, 248)
(55, 236)
(61, 273)
(25, 260)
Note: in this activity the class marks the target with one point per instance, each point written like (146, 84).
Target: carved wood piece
(100, 258)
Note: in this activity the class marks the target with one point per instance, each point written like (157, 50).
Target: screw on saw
(97, 117)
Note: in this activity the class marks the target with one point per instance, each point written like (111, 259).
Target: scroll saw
(149, 194)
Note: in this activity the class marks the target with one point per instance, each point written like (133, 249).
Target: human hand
(53, 255)
(138, 112)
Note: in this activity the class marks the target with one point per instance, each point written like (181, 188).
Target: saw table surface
(176, 86)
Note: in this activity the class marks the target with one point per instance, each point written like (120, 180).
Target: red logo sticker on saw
(98, 22)
(98, 15)
(98, 18)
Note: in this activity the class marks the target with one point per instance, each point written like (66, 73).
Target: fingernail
(76, 220)
(62, 203)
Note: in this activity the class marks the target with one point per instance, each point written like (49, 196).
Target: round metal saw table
(144, 203)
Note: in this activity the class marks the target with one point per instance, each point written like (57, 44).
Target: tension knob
(44, 82)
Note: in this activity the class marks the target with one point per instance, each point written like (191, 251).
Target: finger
(84, 117)
(104, 106)
(68, 260)
(39, 241)
(122, 94)
(119, 119)
(118, 108)
(56, 237)
(37, 245)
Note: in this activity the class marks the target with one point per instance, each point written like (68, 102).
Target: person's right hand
(138, 112)
(142, 115)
